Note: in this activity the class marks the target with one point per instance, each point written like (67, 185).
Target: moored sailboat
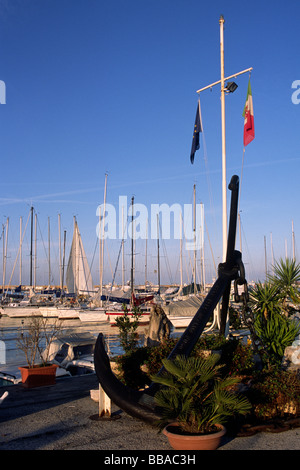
(79, 278)
(139, 309)
(96, 315)
(137, 303)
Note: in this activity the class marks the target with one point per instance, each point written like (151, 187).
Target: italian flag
(249, 133)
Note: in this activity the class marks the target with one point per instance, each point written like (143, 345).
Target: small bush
(128, 336)
(129, 366)
(235, 319)
(275, 393)
(158, 353)
(276, 333)
(241, 361)
(131, 363)
(210, 341)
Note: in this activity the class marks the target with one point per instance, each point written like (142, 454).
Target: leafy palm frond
(276, 334)
(195, 395)
(286, 276)
(264, 299)
(268, 301)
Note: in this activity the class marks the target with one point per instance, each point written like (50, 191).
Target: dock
(64, 417)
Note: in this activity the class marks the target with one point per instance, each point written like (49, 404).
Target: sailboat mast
(5, 253)
(195, 282)
(75, 258)
(49, 264)
(3, 259)
(272, 251)
(146, 254)
(31, 242)
(293, 240)
(102, 239)
(59, 252)
(35, 249)
(123, 261)
(21, 220)
(202, 247)
(132, 247)
(181, 283)
(266, 263)
(63, 262)
(100, 245)
(158, 260)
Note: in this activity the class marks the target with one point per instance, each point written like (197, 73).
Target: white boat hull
(49, 311)
(180, 322)
(114, 314)
(21, 312)
(66, 313)
(93, 315)
(59, 312)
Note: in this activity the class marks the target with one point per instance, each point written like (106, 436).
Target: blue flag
(197, 130)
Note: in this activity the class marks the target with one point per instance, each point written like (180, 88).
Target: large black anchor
(140, 404)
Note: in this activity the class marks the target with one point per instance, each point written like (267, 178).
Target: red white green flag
(249, 133)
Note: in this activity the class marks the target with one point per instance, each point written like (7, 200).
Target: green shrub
(241, 361)
(211, 341)
(131, 363)
(158, 353)
(275, 332)
(129, 367)
(128, 336)
(275, 393)
(235, 319)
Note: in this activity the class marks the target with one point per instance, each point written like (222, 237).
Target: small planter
(38, 376)
(179, 441)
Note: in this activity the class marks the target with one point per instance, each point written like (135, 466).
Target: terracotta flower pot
(38, 376)
(180, 441)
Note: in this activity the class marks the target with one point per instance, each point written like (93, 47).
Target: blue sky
(96, 87)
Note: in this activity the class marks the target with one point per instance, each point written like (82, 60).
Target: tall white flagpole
(222, 82)
(224, 195)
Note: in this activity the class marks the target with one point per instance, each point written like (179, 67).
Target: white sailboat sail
(79, 278)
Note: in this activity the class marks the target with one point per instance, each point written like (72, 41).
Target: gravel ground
(64, 417)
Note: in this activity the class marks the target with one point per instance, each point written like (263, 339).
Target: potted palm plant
(195, 402)
(35, 342)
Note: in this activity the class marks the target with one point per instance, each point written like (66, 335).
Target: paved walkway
(64, 417)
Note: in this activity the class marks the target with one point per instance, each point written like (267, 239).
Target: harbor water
(11, 328)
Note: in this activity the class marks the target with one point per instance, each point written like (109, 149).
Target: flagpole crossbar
(227, 78)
